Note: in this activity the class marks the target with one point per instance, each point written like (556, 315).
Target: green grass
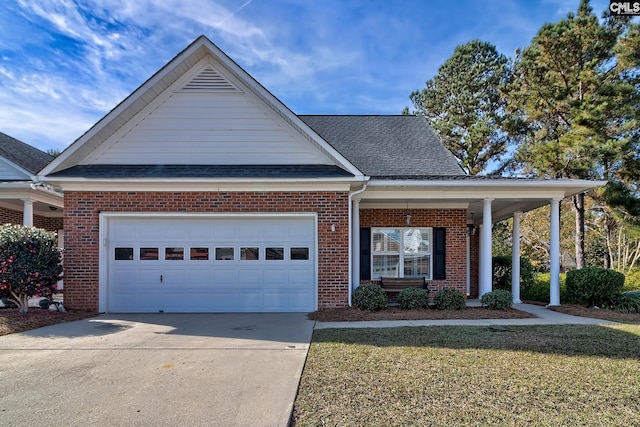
(543, 376)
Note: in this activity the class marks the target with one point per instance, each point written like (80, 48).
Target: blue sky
(65, 63)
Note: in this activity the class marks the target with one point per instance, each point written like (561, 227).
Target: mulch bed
(597, 313)
(12, 321)
(351, 314)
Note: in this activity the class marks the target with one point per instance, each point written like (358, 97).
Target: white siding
(8, 172)
(207, 128)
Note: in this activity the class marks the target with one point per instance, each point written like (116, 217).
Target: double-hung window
(401, 252)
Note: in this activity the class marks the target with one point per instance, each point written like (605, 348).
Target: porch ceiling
(46, 202)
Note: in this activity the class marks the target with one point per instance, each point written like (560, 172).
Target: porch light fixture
(407, 216)
(471, 229)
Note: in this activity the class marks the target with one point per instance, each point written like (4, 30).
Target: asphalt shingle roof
(387, 146)
(203, 171)
(23, 155)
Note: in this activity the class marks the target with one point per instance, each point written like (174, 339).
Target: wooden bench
(393, 285)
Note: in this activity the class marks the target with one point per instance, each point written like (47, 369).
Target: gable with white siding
(11, 172)
(200, 109)
(206, 118)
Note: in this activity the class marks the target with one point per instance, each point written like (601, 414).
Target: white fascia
(455, 189)
(289, 184)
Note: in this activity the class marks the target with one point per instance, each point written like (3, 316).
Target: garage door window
(123, 254)
(249, 254)
(174, 254)
(148, 254)
(224, 254)
(299, 254)
(199, 254)
(274, 254)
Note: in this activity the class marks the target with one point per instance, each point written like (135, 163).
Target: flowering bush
(30, 264)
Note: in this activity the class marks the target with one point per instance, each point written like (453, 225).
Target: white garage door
(219, 264)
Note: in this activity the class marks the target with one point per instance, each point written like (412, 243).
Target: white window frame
(401, 253)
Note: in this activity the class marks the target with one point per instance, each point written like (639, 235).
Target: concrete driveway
(155, 370)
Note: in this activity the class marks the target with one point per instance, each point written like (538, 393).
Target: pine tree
(464, 105)
(575, 93)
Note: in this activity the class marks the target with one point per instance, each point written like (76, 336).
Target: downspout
(351, 194)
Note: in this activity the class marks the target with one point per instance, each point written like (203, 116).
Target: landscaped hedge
(370, 298)
(413, 298)
(502, 268)
(594, 286)
(632, 280)
(539, 291)
(449, 299)
(626, 302)
(497, 300)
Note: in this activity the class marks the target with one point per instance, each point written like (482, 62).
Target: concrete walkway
(544, 317)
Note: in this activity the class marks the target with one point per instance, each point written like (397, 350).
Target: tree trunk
(607, 239)
(578, 204)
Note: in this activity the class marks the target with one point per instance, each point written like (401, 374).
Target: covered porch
(466, 208)
(31, 204)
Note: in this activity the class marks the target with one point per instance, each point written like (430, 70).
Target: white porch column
(27, 212)
(515, 259)
(480, 227)
(554, 253)
(485, 249)
(355, 235)
(468, 262)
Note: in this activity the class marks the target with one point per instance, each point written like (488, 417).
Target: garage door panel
(250, 231)
(276, 276)
(301, 275)
(199, 276)
(299, 300)
(198, 283)
(250, 276)
(225, 276)
(298, 231)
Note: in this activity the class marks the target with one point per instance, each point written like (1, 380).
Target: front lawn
(507, 375)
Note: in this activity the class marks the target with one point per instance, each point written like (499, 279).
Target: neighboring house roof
(23, 155)
(203, 171)
(387, 146)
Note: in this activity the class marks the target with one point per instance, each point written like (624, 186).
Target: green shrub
(626, 302)
(370, 297)
(539, 291)
(497, 300)
(594, 286)
(632, 280)
(502, 273)
(412, 298)
(449, 299)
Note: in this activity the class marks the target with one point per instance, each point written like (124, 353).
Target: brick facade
(454, 220)
(82, 209)
(10, 216)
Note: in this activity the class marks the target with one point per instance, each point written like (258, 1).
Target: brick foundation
(454, 220)
(81, 219)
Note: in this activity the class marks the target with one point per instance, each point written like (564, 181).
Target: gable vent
(209, 80)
